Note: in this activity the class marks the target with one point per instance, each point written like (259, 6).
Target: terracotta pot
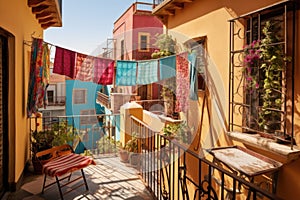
(124, 156)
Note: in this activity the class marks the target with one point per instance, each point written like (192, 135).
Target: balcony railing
(57, 101)
(103, 99)
(97, 133)
(171, 170)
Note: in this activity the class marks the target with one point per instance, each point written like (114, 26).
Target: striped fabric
(67, 163)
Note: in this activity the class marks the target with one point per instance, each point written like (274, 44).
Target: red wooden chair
(62, 161)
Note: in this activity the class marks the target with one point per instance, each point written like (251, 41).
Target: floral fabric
(39, 76)
(182, 82)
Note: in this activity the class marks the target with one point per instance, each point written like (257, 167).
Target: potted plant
(131, 146)
(169, 97)
(59, 134)
(167, 47)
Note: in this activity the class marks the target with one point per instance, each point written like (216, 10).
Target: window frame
(74, 98)
(140, 42)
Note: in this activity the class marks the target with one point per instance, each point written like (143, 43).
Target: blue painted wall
(92, 133)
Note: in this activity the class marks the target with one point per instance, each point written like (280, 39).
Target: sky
(87, 24)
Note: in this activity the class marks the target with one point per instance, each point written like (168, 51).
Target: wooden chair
(62, 161)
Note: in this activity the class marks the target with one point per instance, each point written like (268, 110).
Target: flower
(251, 64)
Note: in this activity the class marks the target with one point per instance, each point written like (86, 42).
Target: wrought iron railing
(173, 171)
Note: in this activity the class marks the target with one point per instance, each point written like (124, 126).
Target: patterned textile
(84, 67)
(193, 77)
(182, 82)
(38, 80)
(46, 72)
(167, 66)
(64, 62)
(147, 72)
(67, 163)
(103, 71)
(126, 73)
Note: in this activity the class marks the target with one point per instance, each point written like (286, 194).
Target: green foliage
(132, 144)
(181, 131)
(63, 133)
(273, 64)
(169, 89)
(166, 44)
(107, 145)
(59, 134)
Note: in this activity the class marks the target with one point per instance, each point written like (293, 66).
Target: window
(144, 42)
(258, 97)
(88, 117)
(79, 96)
(198, 45)
(50, 96)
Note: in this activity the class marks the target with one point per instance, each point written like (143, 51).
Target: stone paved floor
(109, 179)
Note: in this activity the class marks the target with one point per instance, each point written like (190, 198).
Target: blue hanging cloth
(167, 67)
(126, 73)
(147, 72)
(192, 57)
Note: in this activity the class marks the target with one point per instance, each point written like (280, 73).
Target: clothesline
(100, 70)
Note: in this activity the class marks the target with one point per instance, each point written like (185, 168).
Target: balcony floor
(109, 179)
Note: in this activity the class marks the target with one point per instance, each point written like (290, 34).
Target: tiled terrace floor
(109, 179)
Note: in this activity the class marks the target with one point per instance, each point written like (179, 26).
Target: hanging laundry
(182, 82)
(167, 66)
(147, 72)
(39, 76)
(103, 71)
(46, 73)
(84, 67)
(126, 73)
(192, 57)
(64, 62)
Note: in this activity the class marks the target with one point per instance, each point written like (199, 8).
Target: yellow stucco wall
(17, 19)
(210, 18)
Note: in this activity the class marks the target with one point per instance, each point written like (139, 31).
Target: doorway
(3, 112)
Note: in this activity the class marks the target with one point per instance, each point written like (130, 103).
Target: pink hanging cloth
(64, 62)
(84, 67)
(182, 82)
(103, 71)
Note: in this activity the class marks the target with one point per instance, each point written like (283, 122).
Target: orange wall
(210, 18)
(17, 19)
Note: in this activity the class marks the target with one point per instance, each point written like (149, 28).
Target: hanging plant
(251, 65)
